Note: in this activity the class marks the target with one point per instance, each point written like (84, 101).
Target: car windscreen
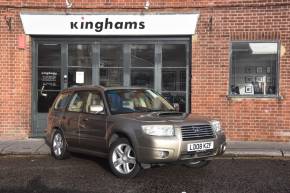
(130, 101)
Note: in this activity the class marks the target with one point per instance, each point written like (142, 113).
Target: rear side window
(77, 102)
(61, 101)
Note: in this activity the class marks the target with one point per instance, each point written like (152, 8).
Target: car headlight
(158, 130)
(216, 125)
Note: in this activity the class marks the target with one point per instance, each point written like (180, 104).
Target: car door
(93, 123)
(70, 119)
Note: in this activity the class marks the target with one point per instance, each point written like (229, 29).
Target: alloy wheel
(57, 144)
(123, 158)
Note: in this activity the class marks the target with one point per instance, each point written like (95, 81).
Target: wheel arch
(122, 134)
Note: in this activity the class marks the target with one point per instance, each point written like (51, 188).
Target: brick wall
(243, 119)
(15, 72)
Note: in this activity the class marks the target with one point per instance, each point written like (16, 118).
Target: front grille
(196, 132)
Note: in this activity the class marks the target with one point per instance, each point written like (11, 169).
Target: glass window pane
(79, 76)
(111, 56)
(111, 77)
(80, 55)
(179, 98)
(77, 102)
(45, 102)
(49, 55)
(142, 77)
(174, 80)
(61, 102)
(174, 55)
(254, 68)
(142, 55)
(49, 78)
(94, 102)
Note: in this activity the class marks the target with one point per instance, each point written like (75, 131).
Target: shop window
(142, 77)
(254, 69)
(79, 64)
(142, 65)
(174, 74)
(111, 65)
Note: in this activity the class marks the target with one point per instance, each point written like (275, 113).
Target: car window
(78, 101)
(61, 101)
(95, 103)
(130, 101)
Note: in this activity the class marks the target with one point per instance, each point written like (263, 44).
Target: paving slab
(43, 150)
(28, 146)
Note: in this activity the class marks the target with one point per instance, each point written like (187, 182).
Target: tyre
(59, 146)
(122, 159)
(197, 164)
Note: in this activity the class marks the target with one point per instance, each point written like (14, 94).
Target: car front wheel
(122, 159)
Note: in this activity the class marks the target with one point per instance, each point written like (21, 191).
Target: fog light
(223, 148)
(162, 154)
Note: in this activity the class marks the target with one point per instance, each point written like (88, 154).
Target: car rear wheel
(197, 164)
(122, 159)
(58, 146)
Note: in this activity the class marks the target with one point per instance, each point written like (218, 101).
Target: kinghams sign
(159, 24)
(99, 26)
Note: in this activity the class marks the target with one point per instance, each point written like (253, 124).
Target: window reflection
(111, 56)
(178, 98)
(142, 55)
(142, 77)
(111, 77)
(80, 55)
(173, 55)
(49, 55)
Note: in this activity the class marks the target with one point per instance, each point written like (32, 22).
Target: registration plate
(200, 146)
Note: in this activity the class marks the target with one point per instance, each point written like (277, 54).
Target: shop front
(108, 50)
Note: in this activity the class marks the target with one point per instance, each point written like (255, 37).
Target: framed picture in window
(249, 90)
(259, 78)
(249, 79)
(269, 69)
(259, 70)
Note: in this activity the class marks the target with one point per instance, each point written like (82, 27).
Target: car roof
(100, 88)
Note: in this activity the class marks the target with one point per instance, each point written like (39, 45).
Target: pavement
(37, 146)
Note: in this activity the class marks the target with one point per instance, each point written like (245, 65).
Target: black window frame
(277, 82)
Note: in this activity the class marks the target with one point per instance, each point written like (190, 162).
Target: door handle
(85, 119)
(41, 91)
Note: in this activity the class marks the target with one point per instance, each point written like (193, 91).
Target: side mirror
(176, 106)
(96, 108)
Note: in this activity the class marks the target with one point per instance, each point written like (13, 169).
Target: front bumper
(153, 149)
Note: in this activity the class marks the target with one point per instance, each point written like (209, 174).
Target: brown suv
(132, 127)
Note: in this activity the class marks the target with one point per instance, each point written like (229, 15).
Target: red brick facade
(243, 119)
